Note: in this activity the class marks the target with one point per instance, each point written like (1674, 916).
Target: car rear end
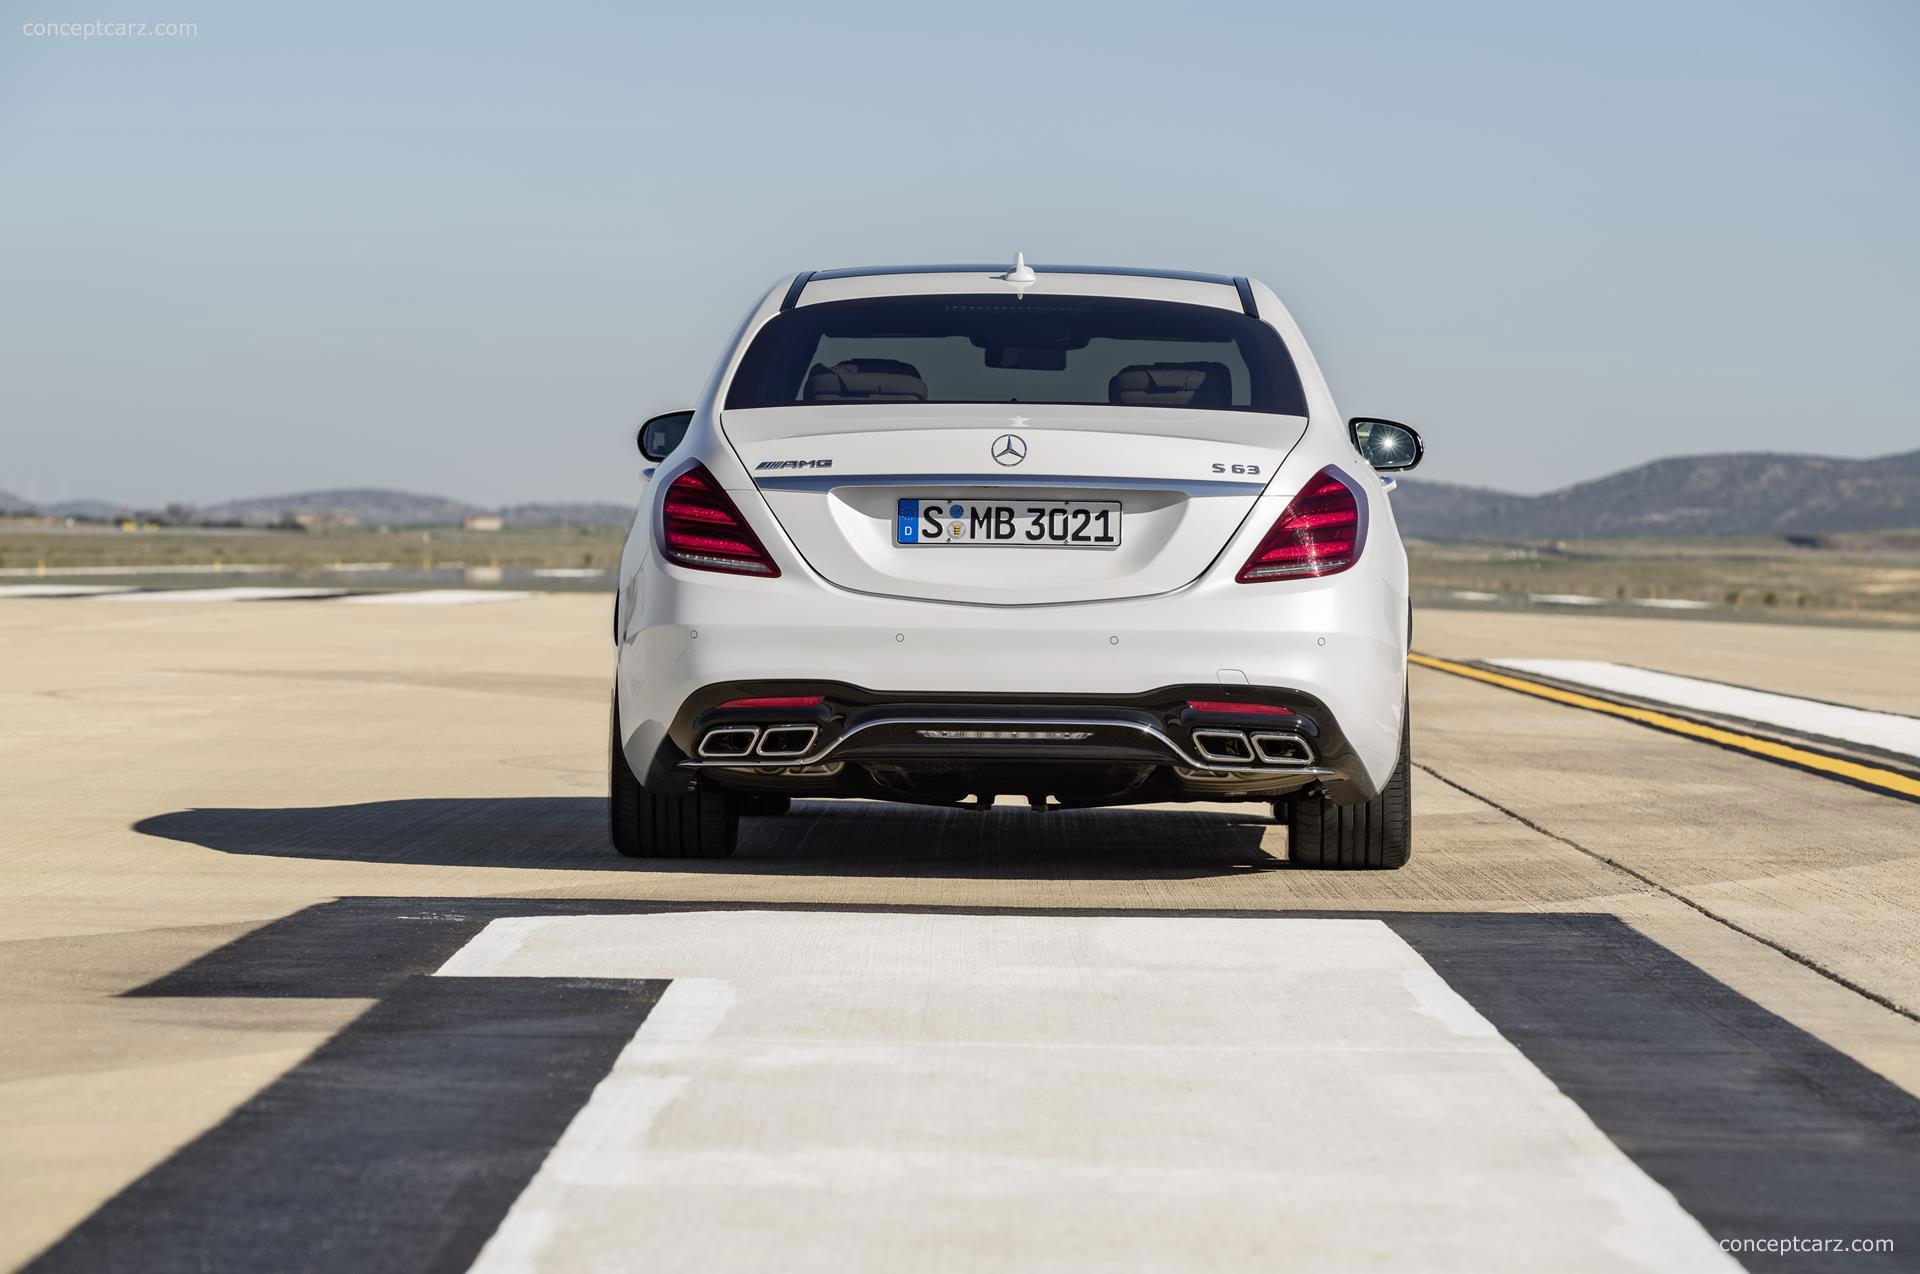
(1093, 538)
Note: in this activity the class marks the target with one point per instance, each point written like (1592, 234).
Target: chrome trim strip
(828, 481)
(1000, 268)
(1159, 736)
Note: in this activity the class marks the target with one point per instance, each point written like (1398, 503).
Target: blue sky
(466, 249)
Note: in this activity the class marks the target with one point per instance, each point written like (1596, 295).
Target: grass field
(1847, 578)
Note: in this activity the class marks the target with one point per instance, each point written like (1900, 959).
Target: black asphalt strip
(401, 1143)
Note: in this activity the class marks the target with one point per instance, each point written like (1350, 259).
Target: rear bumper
(854, 724)
(1172, 743)
(1334, 648)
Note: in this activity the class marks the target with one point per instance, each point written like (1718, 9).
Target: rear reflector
(1252, 709)
(1320, 532)
(776, 701)
(701, 528)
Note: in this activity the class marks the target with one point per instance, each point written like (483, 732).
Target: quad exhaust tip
(774, 742)
(1228, 746)
(787, 740)
(730, 740)
(1269, 747)
(1283, 749)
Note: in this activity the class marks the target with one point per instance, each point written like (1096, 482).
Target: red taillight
(777, 701)
(1250, 709)
(701, 528)
(1319, 533)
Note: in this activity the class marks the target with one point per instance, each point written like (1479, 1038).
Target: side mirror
(1387, 445)
(659, 436)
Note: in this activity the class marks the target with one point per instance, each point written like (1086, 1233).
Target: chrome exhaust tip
(1283, 749)
(1227, 746)
(729, 741)
(787, 740)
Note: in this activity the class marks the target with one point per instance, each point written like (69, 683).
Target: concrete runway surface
(315, 958)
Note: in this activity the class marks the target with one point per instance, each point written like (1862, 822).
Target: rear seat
(866, 380)
(1172, 385)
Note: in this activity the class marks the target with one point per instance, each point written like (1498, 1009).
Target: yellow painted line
(1853, 771)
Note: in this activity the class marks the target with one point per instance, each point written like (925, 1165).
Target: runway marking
(437, 597)
(60, 590)
(240, 594)
(263, 593)
(203, 568)
(1869, 776)
(885, 1091)
(1886, 731)
(403, 1142)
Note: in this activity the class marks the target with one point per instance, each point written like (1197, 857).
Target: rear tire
(1373, 835)
(704, 823)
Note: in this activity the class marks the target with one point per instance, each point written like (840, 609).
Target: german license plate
(1054, 524)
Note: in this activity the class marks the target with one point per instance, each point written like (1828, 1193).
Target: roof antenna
(1021, 274)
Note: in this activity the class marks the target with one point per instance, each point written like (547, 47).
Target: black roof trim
(1246, 296)
(1124, 271)
(798, 286)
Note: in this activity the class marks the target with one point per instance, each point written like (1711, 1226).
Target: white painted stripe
(241, 594)
(613, 1127)
(1473, 595)
(1672, 603)
(262, 593)
(1884, 730)
(846, 1091)
(438, 597)
(209, 568)
(59, 590)
(1566, 599)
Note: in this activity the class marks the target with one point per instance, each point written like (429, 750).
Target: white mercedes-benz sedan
(940, 534)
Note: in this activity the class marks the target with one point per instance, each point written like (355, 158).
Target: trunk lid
(834, 475)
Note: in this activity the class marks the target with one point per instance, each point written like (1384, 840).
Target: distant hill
(97, 510)
(1755, 493)
(587, 514)
(1733, 494)
(371, 505)
(1447, 511)
(378, 507)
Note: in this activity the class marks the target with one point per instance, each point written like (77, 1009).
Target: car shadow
(817, 838)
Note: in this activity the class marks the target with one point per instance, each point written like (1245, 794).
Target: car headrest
(866, 380)
(1172, 385)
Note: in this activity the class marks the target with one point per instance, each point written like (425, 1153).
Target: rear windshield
(1004, 349)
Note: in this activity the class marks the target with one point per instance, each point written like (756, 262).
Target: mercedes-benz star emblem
(1009, 449)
